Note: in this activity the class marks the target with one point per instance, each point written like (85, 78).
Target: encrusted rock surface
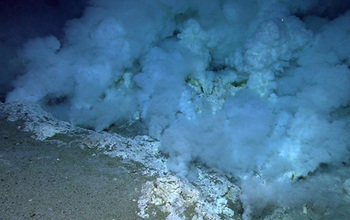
(209, 196)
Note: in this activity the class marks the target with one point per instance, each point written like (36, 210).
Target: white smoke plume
(259, 89)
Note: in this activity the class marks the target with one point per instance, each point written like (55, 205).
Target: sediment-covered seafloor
(50, 169)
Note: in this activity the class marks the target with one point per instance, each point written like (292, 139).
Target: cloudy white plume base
(208, 196)
(253, 91)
